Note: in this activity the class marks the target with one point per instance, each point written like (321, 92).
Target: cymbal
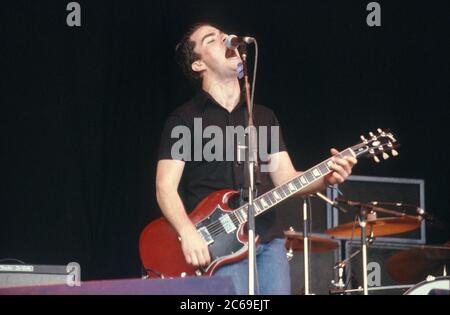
(380, 227)
(294, 241)
(416, 264)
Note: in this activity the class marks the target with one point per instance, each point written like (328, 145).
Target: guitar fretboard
(286, 190)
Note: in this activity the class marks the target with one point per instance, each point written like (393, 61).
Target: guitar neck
(277, 195)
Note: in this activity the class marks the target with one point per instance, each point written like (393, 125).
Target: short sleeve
(175, 131)
(277, 144)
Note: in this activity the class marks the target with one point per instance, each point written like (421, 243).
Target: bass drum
(436, 286)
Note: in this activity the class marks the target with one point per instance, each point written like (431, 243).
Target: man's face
(215, 58)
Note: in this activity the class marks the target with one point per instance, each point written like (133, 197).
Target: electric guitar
(223, 228)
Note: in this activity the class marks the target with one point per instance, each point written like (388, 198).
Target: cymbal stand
(340, 285)
(363, 225)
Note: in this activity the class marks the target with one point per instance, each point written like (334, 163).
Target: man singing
(182, 183)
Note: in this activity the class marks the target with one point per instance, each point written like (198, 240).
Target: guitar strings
(216, 228)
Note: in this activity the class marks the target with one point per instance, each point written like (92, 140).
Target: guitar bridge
(204, 233)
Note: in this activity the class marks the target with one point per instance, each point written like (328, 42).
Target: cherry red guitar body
(160, 246)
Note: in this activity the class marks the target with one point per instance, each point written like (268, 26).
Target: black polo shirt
(201, 176)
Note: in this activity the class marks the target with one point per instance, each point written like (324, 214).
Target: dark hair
(185, 55)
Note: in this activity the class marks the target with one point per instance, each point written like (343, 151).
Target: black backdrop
(82, 108)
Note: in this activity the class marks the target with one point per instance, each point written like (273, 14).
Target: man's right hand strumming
(168, 175)
(194, 247)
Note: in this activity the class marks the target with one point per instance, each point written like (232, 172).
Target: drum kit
(425, 265)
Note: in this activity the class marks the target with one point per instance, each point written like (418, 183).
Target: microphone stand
(306, 244)
(251, 163)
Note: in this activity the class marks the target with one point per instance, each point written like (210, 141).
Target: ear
(198, 66)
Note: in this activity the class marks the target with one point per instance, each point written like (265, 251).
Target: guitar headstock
(377, 144)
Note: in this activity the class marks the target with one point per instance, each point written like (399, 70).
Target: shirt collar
(204, 99)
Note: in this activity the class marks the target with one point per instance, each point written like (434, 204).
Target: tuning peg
(385, 156)
(380, 131)
(363, 139)
(371, 134)
(394, 152)
(376, 159)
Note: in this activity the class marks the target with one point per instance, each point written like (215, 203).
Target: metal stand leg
(306, 245)
(363, 223)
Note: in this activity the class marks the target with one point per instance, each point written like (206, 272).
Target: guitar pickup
(227, 223)
(204, 233)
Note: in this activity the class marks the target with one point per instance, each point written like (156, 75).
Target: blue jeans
(272, 266)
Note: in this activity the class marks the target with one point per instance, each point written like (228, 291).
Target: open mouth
(229, 53)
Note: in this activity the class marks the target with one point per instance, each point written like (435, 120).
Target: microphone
(346, 202)
(233, 41)
(425, 215)
(421, 213)
(334, 204)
